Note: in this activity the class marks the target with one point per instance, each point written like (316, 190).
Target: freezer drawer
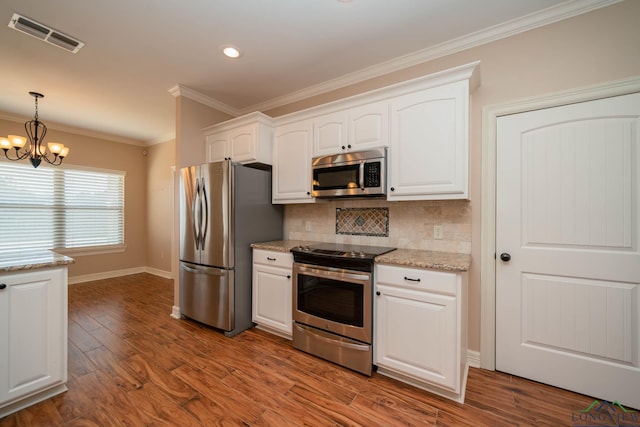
(206, 295)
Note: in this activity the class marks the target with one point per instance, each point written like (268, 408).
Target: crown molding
(165, 138)
(187, 92)
(544, 17)
(566, 10)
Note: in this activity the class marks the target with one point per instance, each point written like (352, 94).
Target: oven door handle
(332, 341)
(332, 272)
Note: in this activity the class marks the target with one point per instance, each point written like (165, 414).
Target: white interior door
(567, 207)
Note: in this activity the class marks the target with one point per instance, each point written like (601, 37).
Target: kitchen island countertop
(448, 261)
(31, 260)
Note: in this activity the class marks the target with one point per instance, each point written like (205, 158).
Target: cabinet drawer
(415, 278)
(278, 259)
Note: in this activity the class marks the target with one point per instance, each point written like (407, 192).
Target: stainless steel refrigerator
(224, 207)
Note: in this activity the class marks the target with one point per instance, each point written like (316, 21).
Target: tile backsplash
(363, 221)
(410, 224)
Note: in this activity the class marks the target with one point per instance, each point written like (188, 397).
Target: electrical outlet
(307, 226)
(437, 232)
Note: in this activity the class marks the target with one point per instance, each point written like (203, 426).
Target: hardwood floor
(131, 364)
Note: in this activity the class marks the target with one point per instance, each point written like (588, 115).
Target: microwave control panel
(372, 174)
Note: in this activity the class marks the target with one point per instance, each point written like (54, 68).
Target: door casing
(490, 113)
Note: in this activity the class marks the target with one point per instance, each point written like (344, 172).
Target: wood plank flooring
(131, 364)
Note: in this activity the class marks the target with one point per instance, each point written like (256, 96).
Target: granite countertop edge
(417, 258)
(28, 260)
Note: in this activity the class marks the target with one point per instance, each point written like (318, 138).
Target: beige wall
(597, 47)
(160, 175)
(106, 154)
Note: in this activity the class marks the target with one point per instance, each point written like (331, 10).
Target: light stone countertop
(32, 260)
(401, 257)
(448, 261)
(281, 245)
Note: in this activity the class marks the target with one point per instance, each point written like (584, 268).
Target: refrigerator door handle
(211, 271)
(194, 213)
(204, 201)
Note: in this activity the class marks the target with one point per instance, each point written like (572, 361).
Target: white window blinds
(49, 208)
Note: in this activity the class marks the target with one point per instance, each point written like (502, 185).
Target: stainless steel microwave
(356, 174)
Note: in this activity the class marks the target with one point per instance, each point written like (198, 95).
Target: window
(48, 208)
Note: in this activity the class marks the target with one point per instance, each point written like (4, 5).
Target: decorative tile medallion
(363, 221)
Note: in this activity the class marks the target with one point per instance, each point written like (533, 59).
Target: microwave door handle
(362, 175)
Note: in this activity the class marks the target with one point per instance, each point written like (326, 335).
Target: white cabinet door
(416, 335)
(272, 298)
(368, 126)
(292, 163)
(356, 129)
(245, 139)
(428, 155)
(330, 134)
(33, 333)
(217, 147)
(243, 143)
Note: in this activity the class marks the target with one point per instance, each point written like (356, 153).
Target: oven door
(332, 299)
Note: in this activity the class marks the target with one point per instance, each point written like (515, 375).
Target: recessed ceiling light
(230, 51)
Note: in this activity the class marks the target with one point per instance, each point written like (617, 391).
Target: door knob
(2, 286)
(505, 257)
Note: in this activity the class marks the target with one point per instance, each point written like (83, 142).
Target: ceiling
(137, 51)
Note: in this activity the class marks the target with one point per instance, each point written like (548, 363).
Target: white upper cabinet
(246, 139)
(291, 178)
(330, 134)
(428, 157)
(356, 129)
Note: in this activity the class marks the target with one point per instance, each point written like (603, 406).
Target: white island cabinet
(33, 336)
(272, 291)
(420, 328)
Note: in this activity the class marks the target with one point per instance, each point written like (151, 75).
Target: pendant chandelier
(36, 151)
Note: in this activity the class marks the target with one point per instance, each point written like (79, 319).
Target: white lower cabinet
(33, 337)
(420, 328)
(272, 291)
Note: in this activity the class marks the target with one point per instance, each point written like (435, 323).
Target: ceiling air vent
(42, 32)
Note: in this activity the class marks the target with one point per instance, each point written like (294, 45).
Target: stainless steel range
(333, 302)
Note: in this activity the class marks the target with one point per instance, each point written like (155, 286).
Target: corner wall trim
(473, 358)
(175, 312)
(490, 114)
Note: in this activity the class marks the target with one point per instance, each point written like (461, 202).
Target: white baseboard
(158, 272)
(473, 358)
(117, 273)
(175, 312)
